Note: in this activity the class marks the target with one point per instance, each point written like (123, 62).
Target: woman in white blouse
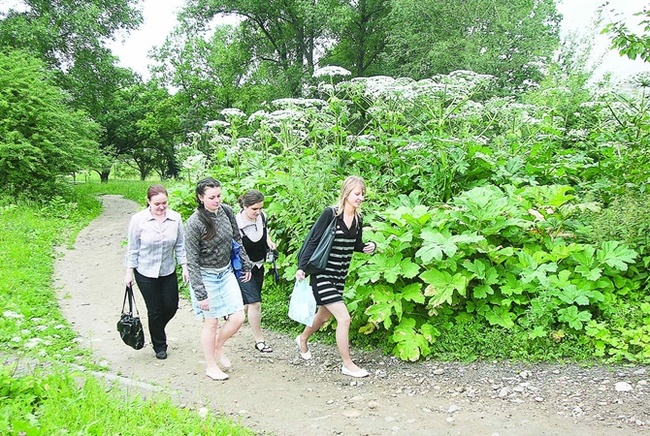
(155, 244)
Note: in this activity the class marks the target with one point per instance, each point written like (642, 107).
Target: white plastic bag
(302, 306)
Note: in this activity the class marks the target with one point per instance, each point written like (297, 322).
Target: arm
(181, 255)
(269, 242)
(247, 265)
(193, 231)
(132, 250)
(360, 246)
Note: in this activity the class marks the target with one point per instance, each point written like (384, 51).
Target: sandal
(262, 347)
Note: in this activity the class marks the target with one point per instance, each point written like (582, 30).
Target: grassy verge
(60, 399)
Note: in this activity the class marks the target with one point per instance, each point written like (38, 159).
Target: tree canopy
(41, 137)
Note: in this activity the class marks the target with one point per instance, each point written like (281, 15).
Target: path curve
(280, 394)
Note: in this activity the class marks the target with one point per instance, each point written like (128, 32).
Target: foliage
(63, 32)
(494, 257)
(511, 40)
(482, 208)
(41, 138)
(629, 43)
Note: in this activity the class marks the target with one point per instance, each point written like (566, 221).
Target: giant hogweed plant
(496, 256)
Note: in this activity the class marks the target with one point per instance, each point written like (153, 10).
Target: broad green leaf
(413, 292)
(442, 286)
(429, 332)
(573, 317)
(482, 291)
(616, 255)
(592, 274)
(537, 332)
(501, 316)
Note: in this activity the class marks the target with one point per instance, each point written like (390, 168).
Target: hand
(369, 248)
(128, 279)
(245, 276)
(185, 273)
(204, 304)
(300, 275)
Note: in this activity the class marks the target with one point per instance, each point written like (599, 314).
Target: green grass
(66, 402)
(32, 329)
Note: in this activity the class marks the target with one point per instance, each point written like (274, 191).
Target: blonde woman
(328, 285)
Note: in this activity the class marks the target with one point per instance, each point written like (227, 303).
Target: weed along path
(279, 394)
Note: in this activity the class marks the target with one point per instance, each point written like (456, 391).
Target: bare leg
(321, 317)
(208, 334)
(228, 329)
(255, 320)
(340, 312)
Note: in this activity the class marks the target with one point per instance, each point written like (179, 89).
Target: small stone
(453, 409)
(504, 392)
(450, 419)
(642, 382)
(351, 413)
(373, 405)
(203, 412)
(640, 371)
(438, 371)
(539, 399)
(623, 387)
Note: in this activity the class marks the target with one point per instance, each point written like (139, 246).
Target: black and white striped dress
(328, 285)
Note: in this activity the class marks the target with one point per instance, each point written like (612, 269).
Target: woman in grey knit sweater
(215, 293)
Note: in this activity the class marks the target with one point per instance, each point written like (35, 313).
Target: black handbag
(318, 260)
(130, 326)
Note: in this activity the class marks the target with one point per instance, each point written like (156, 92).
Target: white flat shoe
(217, 377)
(356, 374)
(307, 354)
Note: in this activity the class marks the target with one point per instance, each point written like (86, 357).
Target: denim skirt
(223, 291)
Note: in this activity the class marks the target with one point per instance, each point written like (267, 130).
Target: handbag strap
(128, 294)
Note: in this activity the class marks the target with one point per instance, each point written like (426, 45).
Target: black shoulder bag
(130, 326)
(318, 260)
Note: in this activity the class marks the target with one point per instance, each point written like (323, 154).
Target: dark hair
(250, 198)
(204, 217)
(155, 190)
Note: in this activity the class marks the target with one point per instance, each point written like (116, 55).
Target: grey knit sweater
(214, 253)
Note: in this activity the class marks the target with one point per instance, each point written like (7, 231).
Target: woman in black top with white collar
(257, 240)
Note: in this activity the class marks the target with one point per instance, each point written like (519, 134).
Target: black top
(320, 226)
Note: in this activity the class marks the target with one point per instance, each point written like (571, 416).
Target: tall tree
(70, 37)
(361, 32)
(145, 127)
(285, 36)
(209, 73)
(510, 39)
(41, 138)
(60, 31)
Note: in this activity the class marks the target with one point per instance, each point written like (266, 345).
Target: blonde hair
(349, 184)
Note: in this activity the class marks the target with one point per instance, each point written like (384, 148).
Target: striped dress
(328, 285)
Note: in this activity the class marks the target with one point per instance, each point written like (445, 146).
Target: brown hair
(155, 190)
(204, 217)
(250, 198)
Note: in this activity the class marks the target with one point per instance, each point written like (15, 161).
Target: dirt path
(282, 395)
